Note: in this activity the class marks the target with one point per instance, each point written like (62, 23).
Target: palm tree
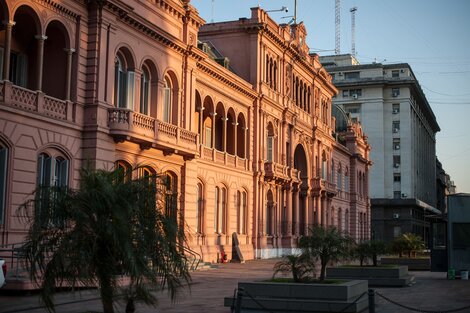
(301, 266)
(326, 244)
(110, 225)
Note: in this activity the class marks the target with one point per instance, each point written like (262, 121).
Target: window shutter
(40, 180)
(130, 90)
(122, 90)
(167, 105)
(63, 173)
(3, 180)
(47, 174)
(270, 149)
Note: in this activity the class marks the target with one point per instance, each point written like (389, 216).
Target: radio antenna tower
(337, 26)
(353, 30)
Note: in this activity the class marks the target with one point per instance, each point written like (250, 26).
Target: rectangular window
(397, 178)
(395, 126)
(353, 110)
(355, 92)
(351, 75)
(345, 93)
(395, 92)
(396, 143)
(18, 69)
(396, 108)
(395, 73)
(397, 194)
(396, 161)
(396, 231)
(269, 149)
(208, 135)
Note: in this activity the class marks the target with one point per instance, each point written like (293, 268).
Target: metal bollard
(371, 294)
(238, 305)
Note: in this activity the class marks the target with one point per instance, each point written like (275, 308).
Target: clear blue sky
(432, 36)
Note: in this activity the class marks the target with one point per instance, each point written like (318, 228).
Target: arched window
(55, 60)
(167, 100)
(332, 217)
(270, 216)
(200, 209)
(340, 178)
(324, 166)
(145, 91)
(243, 212)
(124, 79)
(171, 196)
(125, 169)
(340, 219)
(332, 178)
(220, 210)
(3, 180)
(346, 221)
(53, 170)
(270, 144)
(346, 180)
(24, 51)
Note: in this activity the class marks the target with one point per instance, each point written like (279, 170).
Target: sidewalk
(208, 288)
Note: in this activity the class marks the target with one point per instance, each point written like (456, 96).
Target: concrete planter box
(414, 264)
(297, 297)
(396, 276)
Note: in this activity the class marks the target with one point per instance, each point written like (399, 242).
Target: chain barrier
(233, 307)
(420, 310)
(352, 303)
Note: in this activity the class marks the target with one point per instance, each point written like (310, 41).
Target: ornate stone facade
(237, 114)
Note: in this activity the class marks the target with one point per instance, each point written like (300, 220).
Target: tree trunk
(106, 292)
(323, 271)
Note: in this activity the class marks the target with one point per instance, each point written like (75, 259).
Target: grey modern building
(401, 127)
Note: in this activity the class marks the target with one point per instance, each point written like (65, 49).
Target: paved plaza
(208, 288)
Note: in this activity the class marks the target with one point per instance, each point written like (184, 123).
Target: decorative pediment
(299, 34)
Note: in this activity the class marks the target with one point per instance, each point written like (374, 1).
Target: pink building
(237, 114)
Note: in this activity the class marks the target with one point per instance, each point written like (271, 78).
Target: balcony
(275, 171)
(223, 158)
(37, 102)
(148, 132)
(320, 185)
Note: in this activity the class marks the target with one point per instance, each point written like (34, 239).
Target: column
(288, 198)
(235, 124)
(68, 75)
(39, 60)
(213, 114)
(318, 210)
(7, 49)
(201, 126)
(323, 211)
(224, 134)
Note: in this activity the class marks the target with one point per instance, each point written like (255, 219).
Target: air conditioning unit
(354, 96)
(340, 73)
(397, 147)
(395, 130)
(404, 195)
(395, 94)
(402, 71)
(396, 215)
(396, 165)
(395, 111)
